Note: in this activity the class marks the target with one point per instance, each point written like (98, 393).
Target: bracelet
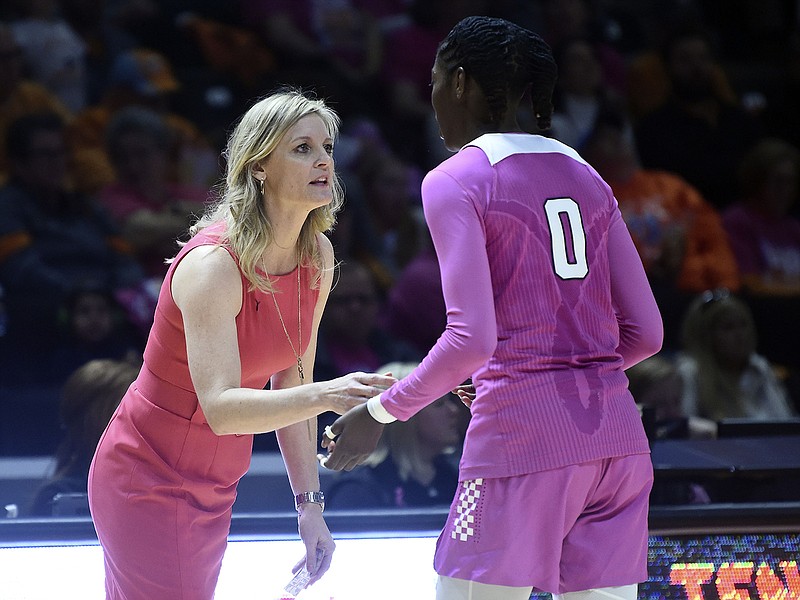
(313, 497)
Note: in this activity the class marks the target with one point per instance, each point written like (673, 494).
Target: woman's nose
(323, 158)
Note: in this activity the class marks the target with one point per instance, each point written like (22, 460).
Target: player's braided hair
(503, 59)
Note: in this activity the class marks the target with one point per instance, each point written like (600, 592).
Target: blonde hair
(240, 203)
(718, 394)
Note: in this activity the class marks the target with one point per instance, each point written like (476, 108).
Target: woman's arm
(298, 442)
(207, 288)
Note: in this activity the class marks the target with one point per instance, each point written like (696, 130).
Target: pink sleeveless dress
(162, 484)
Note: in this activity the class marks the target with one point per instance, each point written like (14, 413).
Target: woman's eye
(328, 148)
(303, 147)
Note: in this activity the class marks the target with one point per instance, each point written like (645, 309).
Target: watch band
(314, 497)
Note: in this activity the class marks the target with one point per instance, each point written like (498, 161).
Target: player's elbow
(654, 338)
(477, 351)
(649, 343)
(651, 346)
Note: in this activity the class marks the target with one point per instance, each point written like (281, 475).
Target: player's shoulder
(466, 174)
(500, 146)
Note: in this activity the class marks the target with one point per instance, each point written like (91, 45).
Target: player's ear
(460, 82)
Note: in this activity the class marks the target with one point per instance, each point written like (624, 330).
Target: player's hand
(350, 439)
(465, 393)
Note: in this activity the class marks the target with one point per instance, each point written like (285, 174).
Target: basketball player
(547, 304)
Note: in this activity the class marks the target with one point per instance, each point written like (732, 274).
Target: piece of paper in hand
(298, 582)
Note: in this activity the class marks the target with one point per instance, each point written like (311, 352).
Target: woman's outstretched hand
(353, 389)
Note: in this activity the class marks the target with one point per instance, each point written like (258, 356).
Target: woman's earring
(261, 186)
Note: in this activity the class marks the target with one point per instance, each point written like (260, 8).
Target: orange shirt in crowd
(666, 215)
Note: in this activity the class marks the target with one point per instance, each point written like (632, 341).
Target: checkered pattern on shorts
(464, 524)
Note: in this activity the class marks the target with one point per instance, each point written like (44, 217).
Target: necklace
(297, 356)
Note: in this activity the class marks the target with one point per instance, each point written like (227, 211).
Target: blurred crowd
(114, 114)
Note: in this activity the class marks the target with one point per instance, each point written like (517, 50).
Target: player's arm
(641, 331)
(467, 342)
(470, 337)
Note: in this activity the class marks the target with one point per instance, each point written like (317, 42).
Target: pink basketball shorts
(563, 530)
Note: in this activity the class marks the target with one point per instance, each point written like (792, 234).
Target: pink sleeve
(641, 331)
(471, 334)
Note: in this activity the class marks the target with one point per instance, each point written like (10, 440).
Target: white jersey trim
(498, 146)
(378, 412)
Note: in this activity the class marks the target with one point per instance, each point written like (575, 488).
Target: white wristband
(376, 410)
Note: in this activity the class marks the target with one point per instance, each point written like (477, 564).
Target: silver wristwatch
(315, 497)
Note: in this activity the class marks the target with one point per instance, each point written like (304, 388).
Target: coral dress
(162, 484)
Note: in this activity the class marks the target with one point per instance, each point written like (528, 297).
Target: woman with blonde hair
(239, 309)
(723, 375)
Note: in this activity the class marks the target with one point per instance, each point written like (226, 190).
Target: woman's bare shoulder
(208, 272)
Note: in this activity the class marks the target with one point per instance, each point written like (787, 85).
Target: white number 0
(560, 238)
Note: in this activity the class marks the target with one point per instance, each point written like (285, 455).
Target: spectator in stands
(54, 54)
(764, 234)
(230, 50)
(679, 236)
(697, 133)
(103, 37)
(412, 465)
(383, 226)
(407, 65)
(152, 208)
(93, 325)
(88, 399)
(393, 215)
(415, 309)
(723, 374)
(50, 236)
(648, 84)
(581, 92)
(657, 388)
(334, 47)
(19, 96)
(361, 145)
(138, 77)
(351, 337)
(565, 20)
